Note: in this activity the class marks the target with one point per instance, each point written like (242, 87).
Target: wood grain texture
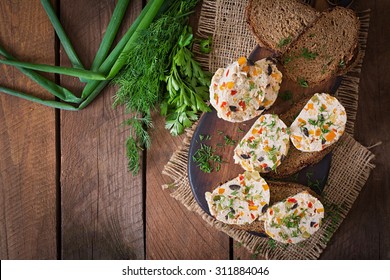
(365, 233)
(101, 201)
(173, 232)
(27, 140)
(102, 205)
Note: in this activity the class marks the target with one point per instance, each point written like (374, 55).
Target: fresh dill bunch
(141, 83)
(139, 138)
(132, 153)
(138, 127)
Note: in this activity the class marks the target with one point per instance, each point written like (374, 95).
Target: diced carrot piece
(331, 135)
(302, 121)
(216, 98)
(267, 148)
(266, 103)
(266, 187)
(311, 132)
(276, 76)
(241, 60)
(254, 72)
(310, 106)
(245, 68)
(298, 138)
(221, 190)
(254, 131)
(318, 132)
(323, 106)
(253, 207)
(319, 210)
(230, 85)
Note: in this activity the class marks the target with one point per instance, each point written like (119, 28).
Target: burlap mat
(351, 162)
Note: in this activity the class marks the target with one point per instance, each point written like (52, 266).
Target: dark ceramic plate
(313, 176)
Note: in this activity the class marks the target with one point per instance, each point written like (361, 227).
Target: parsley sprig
(308, 54)
(229, 141)
(284, 42)
(187, 87)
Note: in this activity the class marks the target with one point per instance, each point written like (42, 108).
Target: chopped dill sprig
(229, 141)
(206, 159)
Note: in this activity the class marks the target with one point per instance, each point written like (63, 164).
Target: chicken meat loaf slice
(278, 192)
(277, 23)
(327, 48)
(295, 159)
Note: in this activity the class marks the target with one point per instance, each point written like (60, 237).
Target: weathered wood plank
(27, 140)
(173, 232)
(101, 201)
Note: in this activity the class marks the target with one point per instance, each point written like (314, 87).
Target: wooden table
(65, 192)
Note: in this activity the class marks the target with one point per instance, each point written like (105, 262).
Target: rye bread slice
(278, 192)
(325, 49)
(296, 160)
(277, 23)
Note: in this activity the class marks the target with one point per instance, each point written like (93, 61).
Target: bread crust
(327, 62)
(307, 14)
(320, 68)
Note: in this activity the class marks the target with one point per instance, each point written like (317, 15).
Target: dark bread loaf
(327, 48)
(277, 23)
(295, 159)
(278, 192)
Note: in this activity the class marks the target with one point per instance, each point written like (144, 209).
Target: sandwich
(244, 203)
(239, 201)
(243, 90)
(315, 124)
(265, 145)
(294, 219)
